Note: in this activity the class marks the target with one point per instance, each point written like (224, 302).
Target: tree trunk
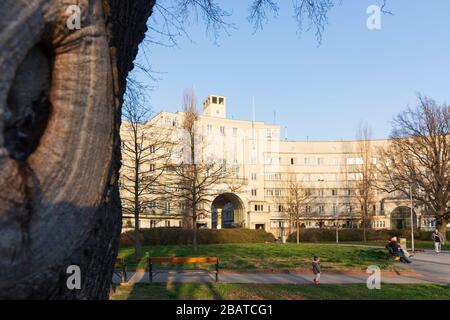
(137, 240)
(137, 207)
(364, 225)
(298, 231)
(194, 236)
(443, 224)
(60, 97)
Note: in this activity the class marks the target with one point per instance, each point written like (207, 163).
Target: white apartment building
(263, 161)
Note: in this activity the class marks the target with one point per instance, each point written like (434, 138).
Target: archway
(227, 211)
(401, 218)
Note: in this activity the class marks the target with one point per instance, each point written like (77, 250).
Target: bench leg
(124, 274)
(150, 272)
(217, 272)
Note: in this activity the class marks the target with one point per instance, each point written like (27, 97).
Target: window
(235, 168)
(152, 148)
(222, 131)
(319, 161)
(321, 192)
(308, 209)
(292, 161)
(334, 192)
(235, 132)
(152, 205)
(334, 209)
(254, 192)
(167, 208)
(152, 167)
(321, 208)
(306, 161)
(254, 176)
(221, 100)
(168, 223)
(214, 99)
(253, 160)
(259, 207)
(273, 176)
(209, 129)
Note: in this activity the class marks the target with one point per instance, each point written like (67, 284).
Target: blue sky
(320, 92)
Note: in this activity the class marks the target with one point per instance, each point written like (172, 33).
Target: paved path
(427, 267)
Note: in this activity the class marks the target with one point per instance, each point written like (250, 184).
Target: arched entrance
(401, 218)
(227, 211)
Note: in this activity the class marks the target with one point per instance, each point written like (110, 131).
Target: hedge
(325, 235)
(174, 236)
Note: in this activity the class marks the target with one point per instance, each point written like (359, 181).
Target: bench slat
(183, 259)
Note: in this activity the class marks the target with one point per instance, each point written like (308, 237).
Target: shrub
(174, 236)
(329, 235)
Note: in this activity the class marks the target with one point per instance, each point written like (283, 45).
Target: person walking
(438, 240)
(316, 269)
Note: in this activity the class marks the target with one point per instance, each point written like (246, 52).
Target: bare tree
(295, 201)
(195, 181)
(172, 16)
(418, 157)
(365, 171)
(146, 150)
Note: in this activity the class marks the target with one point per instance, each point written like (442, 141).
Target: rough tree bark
(60, 97)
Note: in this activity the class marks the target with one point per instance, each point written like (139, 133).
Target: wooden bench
(120, 269)
(160, 260)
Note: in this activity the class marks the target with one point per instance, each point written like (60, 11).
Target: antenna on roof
(274, 116)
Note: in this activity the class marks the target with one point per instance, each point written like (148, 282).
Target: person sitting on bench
(396, 251)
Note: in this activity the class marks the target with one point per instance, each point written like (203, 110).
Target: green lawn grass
(269, 256)
(220, 291)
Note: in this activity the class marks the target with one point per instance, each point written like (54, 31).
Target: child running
(316, 269)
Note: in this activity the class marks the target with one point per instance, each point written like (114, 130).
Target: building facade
(264, 162)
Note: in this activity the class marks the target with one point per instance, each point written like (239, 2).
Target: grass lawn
(219, 291)
(269, 256)
(418, 244)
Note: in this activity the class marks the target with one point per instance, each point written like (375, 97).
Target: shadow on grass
(172, 291)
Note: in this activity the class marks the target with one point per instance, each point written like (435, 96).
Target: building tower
(215, 106)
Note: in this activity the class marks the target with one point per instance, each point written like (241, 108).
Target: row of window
(278, 192)
(379, 224)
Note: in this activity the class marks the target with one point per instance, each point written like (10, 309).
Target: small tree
(296, 199)
(365, 169)
(145, 150)
(419, 155)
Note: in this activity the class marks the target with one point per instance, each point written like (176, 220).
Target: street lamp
(412, 217)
